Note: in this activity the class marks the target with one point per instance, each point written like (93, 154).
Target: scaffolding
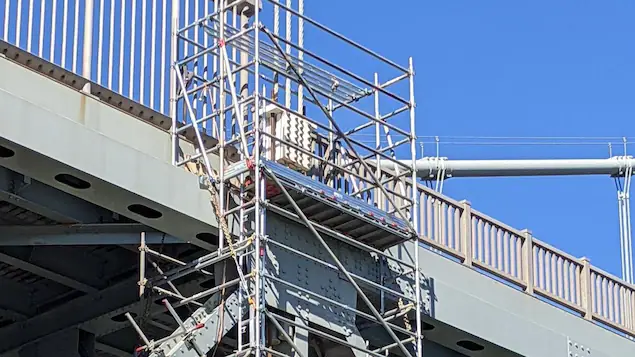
(258, 153)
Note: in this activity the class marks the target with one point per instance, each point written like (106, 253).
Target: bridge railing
(123, 45)
(514, 257)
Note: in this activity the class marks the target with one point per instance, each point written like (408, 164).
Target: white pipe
(428, 168)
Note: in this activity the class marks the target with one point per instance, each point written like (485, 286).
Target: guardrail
(122, 45)
(518, 259)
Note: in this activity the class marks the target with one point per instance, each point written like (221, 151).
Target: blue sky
(512, 68)
(485, 68)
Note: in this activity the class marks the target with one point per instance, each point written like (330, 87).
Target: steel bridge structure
(183, 178)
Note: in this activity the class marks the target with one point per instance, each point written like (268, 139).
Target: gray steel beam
(78, 312)
(126, 161)
(92, 313)
(82, 234)
(67, 343)
(104, 325)
(47, 201)
(48, 274)
(23, 294)
(13, 315)
(71, 314)
(430, 167)
(111, 350)
(16, 298)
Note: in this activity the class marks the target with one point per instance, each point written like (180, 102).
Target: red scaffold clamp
(221, 43)
(251, 164)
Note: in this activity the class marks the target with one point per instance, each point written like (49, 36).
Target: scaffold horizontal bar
(332, 197)
(341, 37)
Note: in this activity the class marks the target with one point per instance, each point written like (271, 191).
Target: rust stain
(82, 109)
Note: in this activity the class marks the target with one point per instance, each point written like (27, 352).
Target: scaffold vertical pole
(173, 86)
(142, 264)
(260, 195)
(300, 52)
(413, 212)
(288, 24)
(222, 129)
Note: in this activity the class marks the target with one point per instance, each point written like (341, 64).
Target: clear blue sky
(512, 68)
(494, 68)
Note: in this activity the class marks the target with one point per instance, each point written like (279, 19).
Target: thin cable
(628, 236)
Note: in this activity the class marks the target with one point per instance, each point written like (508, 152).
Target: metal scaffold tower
(263, 157)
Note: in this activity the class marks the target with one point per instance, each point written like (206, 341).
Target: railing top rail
(556, 251)
(612, 277)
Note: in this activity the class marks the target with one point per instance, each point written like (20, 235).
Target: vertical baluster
(499, 249)
(100, 41)
(610, 300)
(18, 23)
(457, 229)
(541, 282)
(507, 237)
(559, 263)
(111, 43)
(6, 22)
(40, 46)
(437, 220)
(429, 212)
(597, 280)
(606, 291)
(552, 270)
(133, 35)
(566, 268)
(449, 213)
(422, 212)
(514, 249)
(585, 287)
(29, 29)
(443, 219)
(487, 237)
(153, 53)
(122, 37)
(492, 236)
(479, 238)
(75, 37)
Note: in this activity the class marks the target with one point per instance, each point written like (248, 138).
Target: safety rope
(222, 221)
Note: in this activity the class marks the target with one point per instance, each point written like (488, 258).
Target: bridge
(175, 181)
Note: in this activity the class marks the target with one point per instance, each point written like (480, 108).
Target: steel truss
(235, 81)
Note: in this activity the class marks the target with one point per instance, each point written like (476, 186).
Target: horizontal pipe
(429, 167)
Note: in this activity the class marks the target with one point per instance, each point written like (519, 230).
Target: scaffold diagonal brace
(284, 333)
(339, 264)
(309, 89)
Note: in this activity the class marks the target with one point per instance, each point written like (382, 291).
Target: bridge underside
(81, 179)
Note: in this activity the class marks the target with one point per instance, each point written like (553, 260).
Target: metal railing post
(87, 50)
(585, 288)
(466, 232)
(528, 261)
(174, 24)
